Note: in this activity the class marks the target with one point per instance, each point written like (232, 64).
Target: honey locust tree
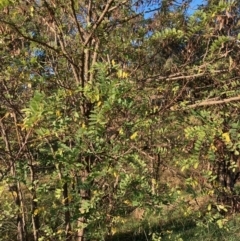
(74, 125)
(187, 65)
(103, 109)
(196, 73)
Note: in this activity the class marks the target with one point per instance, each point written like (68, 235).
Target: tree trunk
(21, 225)
(227, 178)
(80, 231)
(23, 221)
(67, 214)
(34, 205)
(84, 195)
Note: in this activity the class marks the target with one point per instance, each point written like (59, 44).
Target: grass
(174, 226)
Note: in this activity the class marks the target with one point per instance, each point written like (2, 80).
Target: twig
(214, 102)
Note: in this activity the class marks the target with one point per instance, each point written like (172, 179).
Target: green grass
(179, 228)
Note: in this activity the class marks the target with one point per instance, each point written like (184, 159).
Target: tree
(58, 108)
(99, 100)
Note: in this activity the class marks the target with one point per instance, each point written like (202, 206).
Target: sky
(193, 7)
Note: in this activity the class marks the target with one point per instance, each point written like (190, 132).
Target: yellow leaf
(134, 135)
(153, 181)
(226, 137)
(113, 230)
(213, 148)
(121, 131)
(95, 192)
(36, 211)
(82, 210)
(209, 207)
(183, 168)
(119, 74)
(31, 11)
(69, 92)
(58, 113)
(122, 74)
(125, 75)
(127, 202)
(195, 165)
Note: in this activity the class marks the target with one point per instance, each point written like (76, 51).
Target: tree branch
(44, 44)
(174, 77)
(95, 26)
(80, 30)
(214, 102)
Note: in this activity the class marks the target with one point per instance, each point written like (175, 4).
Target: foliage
(107, 113)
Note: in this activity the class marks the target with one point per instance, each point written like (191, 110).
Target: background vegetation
(119, 120)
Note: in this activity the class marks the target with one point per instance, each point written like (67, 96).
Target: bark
(81, 220)
(34, 206)
(67, 214)
(84, 195)
(227, 177)
(80, 231)
(21, 227)
(15, 188)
